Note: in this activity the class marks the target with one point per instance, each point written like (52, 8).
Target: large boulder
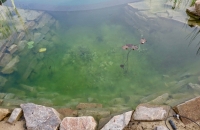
(40, 117)
(78, 123)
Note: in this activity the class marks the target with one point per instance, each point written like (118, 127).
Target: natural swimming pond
(85, 61)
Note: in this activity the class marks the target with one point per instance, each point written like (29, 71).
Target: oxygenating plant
(130, 47)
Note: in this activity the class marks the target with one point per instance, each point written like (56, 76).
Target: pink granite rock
(78, 123)
(189, 109)
(197, 7)
(148, 112)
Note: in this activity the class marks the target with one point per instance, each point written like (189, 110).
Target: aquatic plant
(30, 44)
(130, 47)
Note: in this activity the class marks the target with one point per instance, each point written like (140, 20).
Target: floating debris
(42, 49)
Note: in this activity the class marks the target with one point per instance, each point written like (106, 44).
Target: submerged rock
(88, 105)
(10, 67)
(2, 81)
(40, 117)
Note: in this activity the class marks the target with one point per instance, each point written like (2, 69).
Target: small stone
(2, 81)
(88, 105)
(151, 112)
(9, 96)
(67, 112)
(3, 113)
(15, 115)
(161, 128)
(10, 67)
(78, 123)
(6, 58)
(160, 99)
(12, 48)
(118, 122)
(2, 95)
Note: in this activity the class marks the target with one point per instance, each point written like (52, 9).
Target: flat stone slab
(146, 112)
(88, 105)
(40, 117)
(189, 109)
(78, 123)
(15, 115)
(118, 122)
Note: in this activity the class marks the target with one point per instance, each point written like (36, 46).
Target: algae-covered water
(83, 61)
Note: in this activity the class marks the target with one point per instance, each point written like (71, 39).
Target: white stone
(15, 115)
(150, 112)
(118, 122)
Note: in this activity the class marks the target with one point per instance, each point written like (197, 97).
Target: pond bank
(146, 116)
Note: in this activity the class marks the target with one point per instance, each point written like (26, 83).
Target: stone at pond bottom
(10, 67)
(40, 117)
(15, 115)
(189, 109)
(118, 122)
(2, 81)
(151, 112)
(88, 105)
(78, 123)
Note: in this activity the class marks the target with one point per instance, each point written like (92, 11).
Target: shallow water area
(84, 57)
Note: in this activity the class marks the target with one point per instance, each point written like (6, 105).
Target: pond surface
(86, 62)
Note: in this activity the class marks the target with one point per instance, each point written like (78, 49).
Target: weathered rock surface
(161, 128)
(118, 122)
(88, 105)
(197, 7)
(15, 115)
(189, 109)
(78, 123)
(2, 81)
(95, 112)
(160, 99)
(3, 113)
(67, 112)
(9, 68)
(40, 117)
(151, 112)
(12, 49)
(5, 59)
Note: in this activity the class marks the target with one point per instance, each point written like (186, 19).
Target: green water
(83, 61)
